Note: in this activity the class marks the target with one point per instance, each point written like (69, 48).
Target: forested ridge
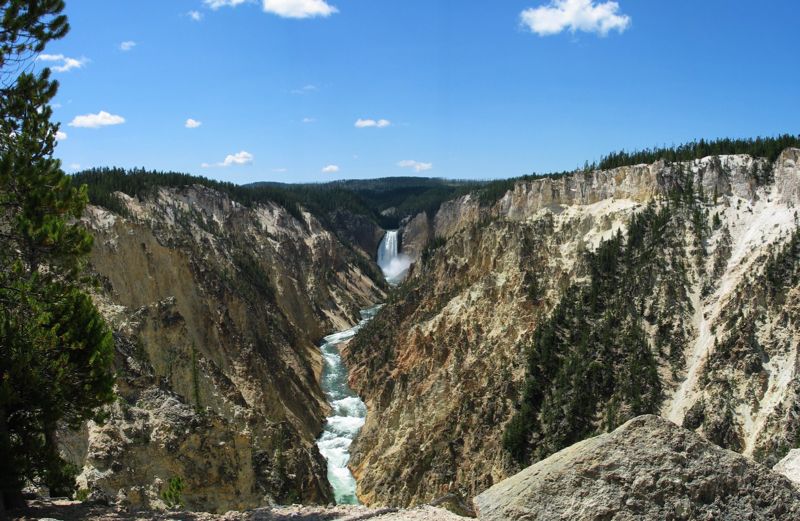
(384, 201)
(766, 147)
(591, 365)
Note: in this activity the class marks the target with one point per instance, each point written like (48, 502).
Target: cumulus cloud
(192, 123)
(101, 119)
(74, 166)
(299, 8)
(575, 15)
(61, 135)
(195, 15)
(415, 165)
(237, 159)
(127, 45)
(330, 169)
(283, 8)
(64, 63)
(309, 120)
(372, 123)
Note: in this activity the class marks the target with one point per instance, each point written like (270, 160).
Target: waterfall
(348, 411)
(393, 263)
(347, 414)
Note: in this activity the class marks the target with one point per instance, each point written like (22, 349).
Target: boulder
(647, 469)
(790, 466)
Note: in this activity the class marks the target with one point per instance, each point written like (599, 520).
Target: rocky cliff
(216, 309)
(703, 289)
(648, 469)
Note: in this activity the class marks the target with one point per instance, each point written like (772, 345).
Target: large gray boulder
(790, 466)
(647, 469)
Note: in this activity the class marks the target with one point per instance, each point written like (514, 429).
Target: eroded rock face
(416, 235)
(216, 309)
(647, 469)
(442, 367)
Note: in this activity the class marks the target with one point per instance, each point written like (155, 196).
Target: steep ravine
(216, 308)
(441, 368)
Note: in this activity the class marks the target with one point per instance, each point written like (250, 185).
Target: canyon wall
(216, 310)
(443, 366)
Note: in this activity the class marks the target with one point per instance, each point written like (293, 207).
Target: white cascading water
(347, 416)
(393, 263)
(348, 411)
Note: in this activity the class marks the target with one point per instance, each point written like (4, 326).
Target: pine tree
(55, 349)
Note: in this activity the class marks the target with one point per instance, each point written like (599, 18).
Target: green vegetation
(402, 196)
(591, 366)
(55, 349)
(173, 495)
(387, 201)
(102, 183)
(768, 148)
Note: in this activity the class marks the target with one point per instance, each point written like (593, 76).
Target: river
(348, 410)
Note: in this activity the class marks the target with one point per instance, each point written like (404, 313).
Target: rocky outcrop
(216, 309)
(647, 469)
(735, 175)
(416, 234)
(442, 367)
(789, 466)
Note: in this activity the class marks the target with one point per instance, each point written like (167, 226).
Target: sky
(317, 90)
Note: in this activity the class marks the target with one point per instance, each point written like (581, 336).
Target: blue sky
(465, 89)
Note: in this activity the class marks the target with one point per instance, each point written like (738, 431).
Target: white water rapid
(393, 263)
(348, 411)
(347, 416)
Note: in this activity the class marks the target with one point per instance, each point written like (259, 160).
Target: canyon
(218, 310)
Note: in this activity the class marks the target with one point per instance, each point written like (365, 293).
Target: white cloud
(74, 166)
(216, 4)
(61, 135)
(195, 15)
(575, 15)
(305, 89)
(127, 45)
(239, 158)
(283, 8)
(369, 123)
(330, 169)
(280, 170)
(101, 119)
(299, 8)
(309, 120)
(66, 63)
(416, 165)
(192, 123)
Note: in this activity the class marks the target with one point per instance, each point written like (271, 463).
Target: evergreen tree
(55, 349)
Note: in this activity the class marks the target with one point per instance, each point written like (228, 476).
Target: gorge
(281, 317)
(444, 365)
(348, 410)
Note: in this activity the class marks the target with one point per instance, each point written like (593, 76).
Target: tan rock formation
(442, 367)
(216, 309)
